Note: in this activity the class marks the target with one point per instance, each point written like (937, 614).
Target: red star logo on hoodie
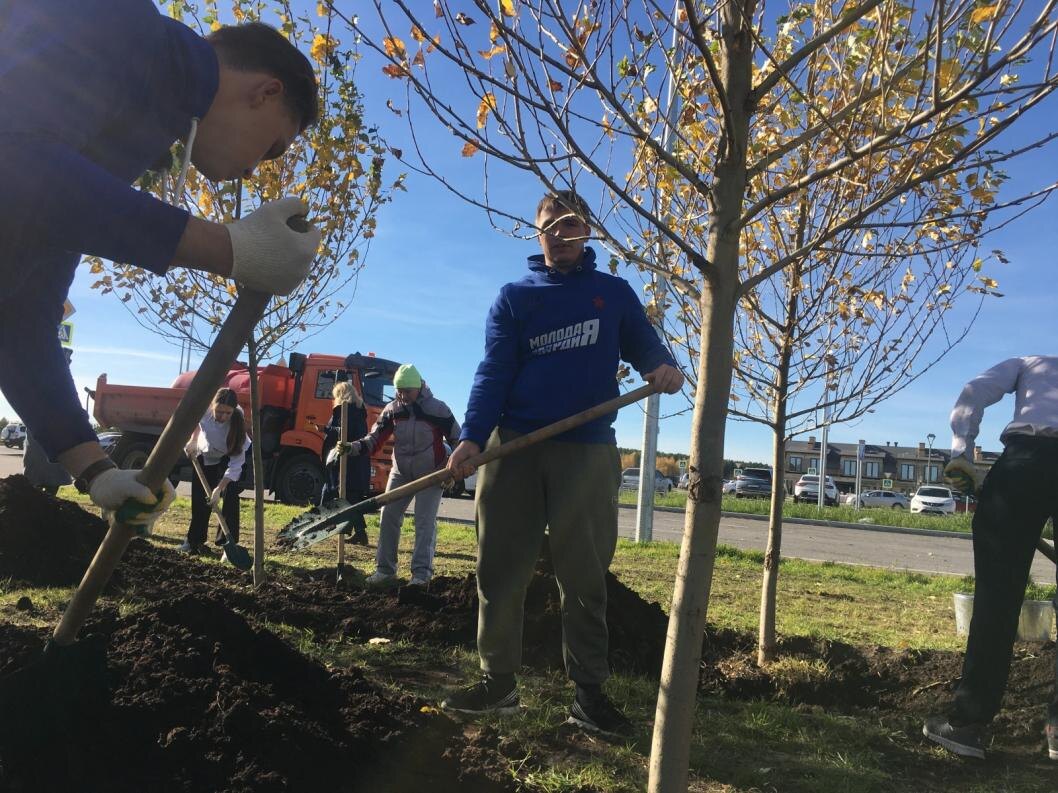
(598, 302)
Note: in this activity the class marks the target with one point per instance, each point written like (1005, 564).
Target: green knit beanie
(407, 376)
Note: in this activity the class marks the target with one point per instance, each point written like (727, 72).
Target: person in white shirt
(219, 442)
(1018, 496)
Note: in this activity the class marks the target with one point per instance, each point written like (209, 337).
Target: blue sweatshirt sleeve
(50, 192)
(34, 375)
(495, 374)
(640, 344)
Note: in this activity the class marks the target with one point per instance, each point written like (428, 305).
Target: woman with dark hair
(220, 442)
(357, 469)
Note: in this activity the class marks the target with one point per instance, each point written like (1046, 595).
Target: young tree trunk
(258, 470)
(766, 628)
(677, 693)
(770, 578)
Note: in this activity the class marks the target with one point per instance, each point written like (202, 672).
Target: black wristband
(84, 481)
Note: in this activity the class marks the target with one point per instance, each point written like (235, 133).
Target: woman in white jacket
(220, 442)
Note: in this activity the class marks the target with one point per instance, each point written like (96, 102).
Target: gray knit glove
(268, 255)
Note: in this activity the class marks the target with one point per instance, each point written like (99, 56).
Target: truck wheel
(300, 480)
(131, 451)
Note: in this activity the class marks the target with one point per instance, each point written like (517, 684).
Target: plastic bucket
(1034, 624)
(964, 608)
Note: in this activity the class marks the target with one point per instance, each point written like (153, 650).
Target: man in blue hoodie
(94, 94)
(553, 342)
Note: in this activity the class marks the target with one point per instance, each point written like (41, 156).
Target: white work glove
(118, 486)
(961, 473)
(268, 255)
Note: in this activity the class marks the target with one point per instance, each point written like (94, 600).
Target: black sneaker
(488, 695)
(1052, 739)
(967, 740)
(594, 711)
(359, 537)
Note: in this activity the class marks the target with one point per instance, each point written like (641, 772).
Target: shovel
(313, 527)
(233, 552)
(53, 695)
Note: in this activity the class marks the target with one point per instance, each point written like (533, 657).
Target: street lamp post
(929, 455)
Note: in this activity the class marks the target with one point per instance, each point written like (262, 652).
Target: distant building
(907, 466)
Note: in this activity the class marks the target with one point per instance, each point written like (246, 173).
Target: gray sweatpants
(571, 489)
(426, 504)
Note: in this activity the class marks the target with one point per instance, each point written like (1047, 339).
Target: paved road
(897, 551)
(912, 552)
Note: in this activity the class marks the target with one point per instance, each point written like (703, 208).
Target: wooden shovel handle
(522, 441)
(165, 454)
(214, 508)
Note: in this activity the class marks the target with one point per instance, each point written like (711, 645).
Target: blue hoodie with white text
(553, 342)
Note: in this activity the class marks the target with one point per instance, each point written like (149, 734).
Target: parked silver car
(884, 498)
(630, 481)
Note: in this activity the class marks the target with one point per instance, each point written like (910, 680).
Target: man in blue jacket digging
(93, 95)
(553, 342)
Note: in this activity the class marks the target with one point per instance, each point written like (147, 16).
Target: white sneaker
(417, 581)
(380, 580)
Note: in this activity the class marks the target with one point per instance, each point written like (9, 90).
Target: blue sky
(436, 265)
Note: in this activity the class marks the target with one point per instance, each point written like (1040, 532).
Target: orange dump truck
(295, 406)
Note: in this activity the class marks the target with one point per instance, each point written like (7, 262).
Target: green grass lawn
(738, 745)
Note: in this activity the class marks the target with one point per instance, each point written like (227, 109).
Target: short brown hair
(567, 200)
(257, 47)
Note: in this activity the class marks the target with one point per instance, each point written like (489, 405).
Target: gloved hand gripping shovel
(316, 526)
(233, 552)
(70, 678)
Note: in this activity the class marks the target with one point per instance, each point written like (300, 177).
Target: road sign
(812, 472)
(737, 472)
(66, 333)
(683, 465)
(859, 451)
(887, 484)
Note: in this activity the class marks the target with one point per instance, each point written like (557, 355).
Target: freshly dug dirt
(201, 700)
(44, 541)
(446, 615)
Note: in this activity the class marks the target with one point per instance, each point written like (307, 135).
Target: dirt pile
(201, 700)
(44, 541)
(448, 615)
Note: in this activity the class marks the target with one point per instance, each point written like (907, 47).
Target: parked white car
(807, 490)
(933, 499)
(13, 435)
(882, 498)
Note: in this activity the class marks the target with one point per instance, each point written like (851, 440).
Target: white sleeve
(984, 390)
(238, 460)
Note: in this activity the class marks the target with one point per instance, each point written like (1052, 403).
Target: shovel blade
(237, 556)
(316, 525)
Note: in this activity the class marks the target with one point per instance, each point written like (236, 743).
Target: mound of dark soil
(201, 700)
(44, 541)
(448, 615)
(901, 686)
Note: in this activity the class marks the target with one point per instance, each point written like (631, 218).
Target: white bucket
(1034, 624)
